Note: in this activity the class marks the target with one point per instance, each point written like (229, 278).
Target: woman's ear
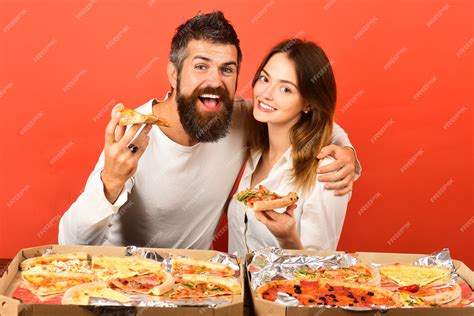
(307, 109)
(172, 74)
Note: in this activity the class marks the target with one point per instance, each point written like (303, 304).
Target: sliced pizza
(68, 262)
(358, 273)
(262, 199)
(49, 283)
(329, 293)
(156, 283)
(180, 266)
(130, 116)
(404, 274)
(430, 295)
(107, 268)
(80, 294)
(200, 286)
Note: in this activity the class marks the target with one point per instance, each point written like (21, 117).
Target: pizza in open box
(200, 286)
(329, 292)
(156, 283)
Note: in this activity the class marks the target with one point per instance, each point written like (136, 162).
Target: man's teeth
(209, 96)
(266, 107)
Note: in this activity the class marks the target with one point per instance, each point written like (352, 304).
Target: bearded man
(166, 187)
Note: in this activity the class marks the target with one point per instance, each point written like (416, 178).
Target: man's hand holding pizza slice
(121, 155)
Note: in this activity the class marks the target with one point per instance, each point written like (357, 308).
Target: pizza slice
(68, 262)
(430, 295)
(180, 266)
(329, 293)
(262, 199)
(49, 283)
(404, 274)
(107, 268)
(156, 283)
(200, 286)
(80, 294)
(358, 273)
(130, 116)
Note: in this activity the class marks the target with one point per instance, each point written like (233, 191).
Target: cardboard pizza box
(11, 279)
(264, 307)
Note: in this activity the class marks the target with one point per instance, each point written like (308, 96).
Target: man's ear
(172, 74)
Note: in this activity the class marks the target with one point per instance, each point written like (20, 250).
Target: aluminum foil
(274, 263)
(440, 258)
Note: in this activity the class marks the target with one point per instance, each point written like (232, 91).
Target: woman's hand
(282, 226)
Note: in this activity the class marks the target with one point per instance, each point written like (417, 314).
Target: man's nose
(214, 78)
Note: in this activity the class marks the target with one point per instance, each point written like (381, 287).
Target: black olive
(311, 300)
(350, 295)
(335, 300)
(362, 298)
(370, 293)
(332, 295)
(356, 301)
(350, 304)
(331, 289)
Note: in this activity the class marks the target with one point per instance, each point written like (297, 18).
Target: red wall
(403, 68)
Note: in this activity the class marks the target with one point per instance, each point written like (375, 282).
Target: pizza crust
(80, 294)
(130, 116)
(44, 260)
(177, 262)
(285, 201)
(34, 281)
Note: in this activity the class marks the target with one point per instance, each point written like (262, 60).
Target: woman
(294, 96)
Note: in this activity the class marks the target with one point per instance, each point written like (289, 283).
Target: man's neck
(168, 110)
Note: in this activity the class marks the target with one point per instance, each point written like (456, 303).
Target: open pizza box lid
(11, 279)
(264, 307)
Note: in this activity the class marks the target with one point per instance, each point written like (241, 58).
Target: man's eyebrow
(281, 80)
(209, 60)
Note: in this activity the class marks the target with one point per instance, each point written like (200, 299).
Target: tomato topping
(410, 288)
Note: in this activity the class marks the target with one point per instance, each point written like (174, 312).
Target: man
(168, 188)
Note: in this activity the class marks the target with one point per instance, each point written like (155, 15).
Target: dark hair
(317, 86)
(212, 27)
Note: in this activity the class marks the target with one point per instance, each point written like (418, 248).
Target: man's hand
(343, 169)
(282, 226)
(120, 162)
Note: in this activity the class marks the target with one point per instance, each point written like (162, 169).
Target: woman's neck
(279, 142)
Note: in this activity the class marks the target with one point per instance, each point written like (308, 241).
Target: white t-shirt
(319, 215)
(174, 200)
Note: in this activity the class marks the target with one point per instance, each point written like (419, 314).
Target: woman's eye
(286, 90)
(263, 78)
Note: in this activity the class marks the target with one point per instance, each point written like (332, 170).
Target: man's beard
(205, 126)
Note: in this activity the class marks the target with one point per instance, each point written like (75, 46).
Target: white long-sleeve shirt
(319, 214)
(175, 198)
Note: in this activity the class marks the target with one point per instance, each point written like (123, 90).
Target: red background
(406, 65)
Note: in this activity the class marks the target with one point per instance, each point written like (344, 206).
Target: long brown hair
(312, 132)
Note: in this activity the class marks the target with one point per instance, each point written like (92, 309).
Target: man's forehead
(215, 52)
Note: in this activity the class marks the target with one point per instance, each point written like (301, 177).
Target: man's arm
(86, 221)
(345, 169)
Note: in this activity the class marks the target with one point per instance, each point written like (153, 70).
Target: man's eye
(200, 67)
(228, 70)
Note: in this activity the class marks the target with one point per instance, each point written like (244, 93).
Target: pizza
(70, 262)
(329, 293)
(130, 116)
(156, 283)
(49, 283)
(404, 274)
(262, 199)
(180, 266)
(107, 268)
(358, 273)
(200, 286)
(430, 295)
(80, 294)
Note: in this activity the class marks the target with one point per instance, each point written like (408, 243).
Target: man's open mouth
(211, 102)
